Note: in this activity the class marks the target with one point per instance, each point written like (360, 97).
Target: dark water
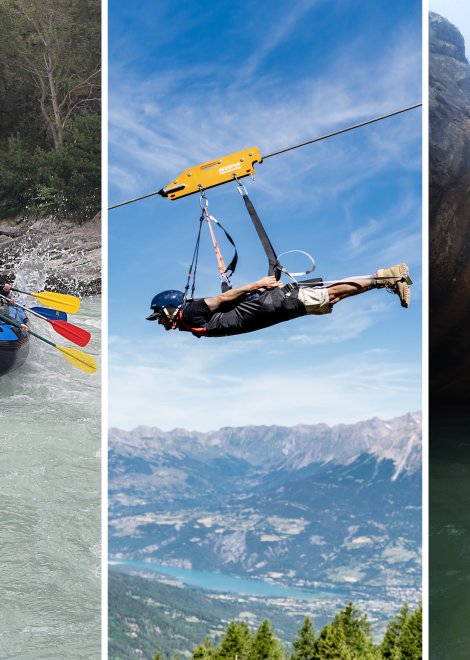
(449, 535)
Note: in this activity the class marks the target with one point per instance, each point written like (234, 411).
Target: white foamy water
(50, 513)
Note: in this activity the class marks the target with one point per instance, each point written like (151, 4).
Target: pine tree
(159, 655)
(236, 642)
(357, 633)
(403, 637)
(390, 647)
(304, 643)
(331, 644)
(205, 651)
(265, 645)
(411, 636)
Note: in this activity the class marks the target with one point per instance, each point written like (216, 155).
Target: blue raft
(14, 343)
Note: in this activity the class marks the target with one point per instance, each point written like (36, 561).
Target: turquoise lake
(220, 582)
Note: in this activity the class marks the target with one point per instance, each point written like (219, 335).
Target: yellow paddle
(61, 301)
(78, 358)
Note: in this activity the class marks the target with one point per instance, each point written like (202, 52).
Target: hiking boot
(397, 279)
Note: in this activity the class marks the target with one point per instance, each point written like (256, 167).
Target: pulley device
(233, 168)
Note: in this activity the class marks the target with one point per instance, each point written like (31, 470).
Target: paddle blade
(79, 359)
(60, 301)
(71, 332)
(49, 313)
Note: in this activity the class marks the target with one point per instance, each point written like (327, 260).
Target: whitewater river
(50, 512)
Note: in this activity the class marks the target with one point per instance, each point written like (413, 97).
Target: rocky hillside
(449, 211)
(56, 255)
(292, 448)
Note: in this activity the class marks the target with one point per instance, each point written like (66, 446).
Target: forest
(347, 637)
(50, 116)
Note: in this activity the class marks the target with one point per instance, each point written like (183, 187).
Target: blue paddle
(49, 313)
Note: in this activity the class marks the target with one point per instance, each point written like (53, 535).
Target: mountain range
(317, 507)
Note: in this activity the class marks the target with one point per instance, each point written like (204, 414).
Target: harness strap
(198, 332)
(193, 264)
(223, 269)
(274, 266)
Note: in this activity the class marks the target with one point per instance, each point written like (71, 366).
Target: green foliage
(63, 182)
(236, 642)
(159, 655)
(403, 637)
(357, 633)
(159, 614)
(265, 644)
(331, 644)
(205, 651)
(17, 178)
(69, 177)
(304, 643)
(51, 53)
(50, 147)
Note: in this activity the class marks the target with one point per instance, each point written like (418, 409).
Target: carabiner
(203, 201)
(240, 187)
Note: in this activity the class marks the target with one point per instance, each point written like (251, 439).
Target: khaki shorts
(315, 299)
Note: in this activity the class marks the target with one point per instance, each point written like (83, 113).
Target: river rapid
(50, 511)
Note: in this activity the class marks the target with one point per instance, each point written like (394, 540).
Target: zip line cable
(296, 146)
(343, 130)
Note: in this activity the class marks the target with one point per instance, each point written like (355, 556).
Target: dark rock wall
(449, 212)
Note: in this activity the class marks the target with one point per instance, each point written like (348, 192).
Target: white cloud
(160, 138)
(348, 390)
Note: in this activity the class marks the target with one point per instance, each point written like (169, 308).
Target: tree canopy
(50, 127)
(347, 637)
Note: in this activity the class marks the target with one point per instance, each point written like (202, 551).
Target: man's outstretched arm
(268, 282)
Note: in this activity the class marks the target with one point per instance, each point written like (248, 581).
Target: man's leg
(396, 279)
(347, 288)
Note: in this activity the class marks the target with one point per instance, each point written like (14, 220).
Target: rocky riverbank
(67, 255)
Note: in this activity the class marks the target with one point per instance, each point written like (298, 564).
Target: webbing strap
(274, 266)
(225, 271)
(193, 265)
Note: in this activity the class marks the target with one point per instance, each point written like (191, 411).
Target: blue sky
(192, 81)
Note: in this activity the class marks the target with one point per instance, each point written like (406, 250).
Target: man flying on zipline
(267, 302)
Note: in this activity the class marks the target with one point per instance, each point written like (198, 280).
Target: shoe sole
(403, 289)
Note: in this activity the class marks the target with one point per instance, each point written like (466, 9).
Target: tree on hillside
(236, 642)
(304, 643)
(390, 647)
(265, 644)
(403, 636)
(357, 633)
(159, 655)
(205, 651)
(331, 644)
(55, 44)
(412, 635)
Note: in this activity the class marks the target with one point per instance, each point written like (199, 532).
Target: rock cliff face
(449, 212)
(55, 255)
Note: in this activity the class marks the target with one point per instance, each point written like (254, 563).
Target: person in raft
(267, 302)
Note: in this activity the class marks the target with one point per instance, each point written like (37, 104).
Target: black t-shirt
(255, 312)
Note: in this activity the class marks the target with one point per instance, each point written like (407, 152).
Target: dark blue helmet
(171, 300)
